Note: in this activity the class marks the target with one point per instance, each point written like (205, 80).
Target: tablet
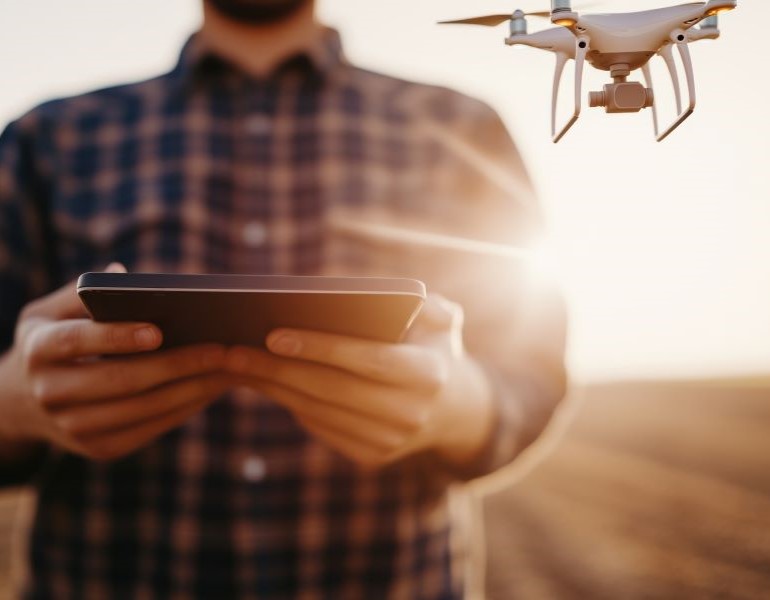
(243, 309)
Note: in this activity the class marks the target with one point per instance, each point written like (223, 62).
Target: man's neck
(258, 49)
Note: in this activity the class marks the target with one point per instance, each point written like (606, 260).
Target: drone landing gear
(581, 49)
(679, 39)
(625, 96)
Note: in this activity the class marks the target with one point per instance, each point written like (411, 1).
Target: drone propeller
(493, 20)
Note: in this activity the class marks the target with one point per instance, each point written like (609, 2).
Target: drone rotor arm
(707, 29)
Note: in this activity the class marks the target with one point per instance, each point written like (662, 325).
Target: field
(652, 490)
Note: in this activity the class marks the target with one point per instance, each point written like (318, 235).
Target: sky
(662, 248)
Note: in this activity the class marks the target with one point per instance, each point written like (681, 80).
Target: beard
(257, 12)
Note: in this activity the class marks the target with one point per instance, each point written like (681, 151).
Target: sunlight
(662, 244)
(544, 261)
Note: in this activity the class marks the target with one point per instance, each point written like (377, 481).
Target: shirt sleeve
(24, 268)
(24, 258)
(515, 319)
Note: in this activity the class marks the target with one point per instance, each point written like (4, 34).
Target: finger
(199, 392)
(64, 303)
(76, 338)
(364, 455)
(115, 267)
(437, 313)
(65, 386)
(84, 421)
(397, 364)
(373, 432)
(439, 320)
(351, 392)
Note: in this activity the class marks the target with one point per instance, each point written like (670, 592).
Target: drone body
(620, 44)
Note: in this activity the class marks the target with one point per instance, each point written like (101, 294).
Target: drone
(619, 43)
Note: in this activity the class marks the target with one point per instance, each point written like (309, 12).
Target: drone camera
(624, 97)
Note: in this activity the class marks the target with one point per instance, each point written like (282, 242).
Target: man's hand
(377, 402)
(92, 388)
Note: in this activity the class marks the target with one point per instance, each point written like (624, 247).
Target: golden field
(652, 490)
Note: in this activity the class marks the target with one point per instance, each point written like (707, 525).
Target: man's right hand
(96, 389)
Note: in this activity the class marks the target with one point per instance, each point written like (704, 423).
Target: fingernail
(285, 344)
(146, 337)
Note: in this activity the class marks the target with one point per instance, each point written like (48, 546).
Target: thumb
(438, 317)
(439, 314)
(64, 303)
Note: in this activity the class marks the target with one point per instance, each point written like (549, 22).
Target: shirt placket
(255, 157)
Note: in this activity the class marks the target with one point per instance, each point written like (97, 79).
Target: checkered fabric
(208, 170)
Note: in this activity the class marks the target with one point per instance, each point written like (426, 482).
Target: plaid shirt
(207, 170)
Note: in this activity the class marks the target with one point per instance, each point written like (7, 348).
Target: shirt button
(258, 125)
(254, 469)
(254, 234)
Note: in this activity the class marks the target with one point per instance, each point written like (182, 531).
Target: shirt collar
(321, 58)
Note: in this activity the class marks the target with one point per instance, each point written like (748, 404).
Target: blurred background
(656, 484)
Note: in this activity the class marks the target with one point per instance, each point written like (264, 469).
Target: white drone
(618, 43)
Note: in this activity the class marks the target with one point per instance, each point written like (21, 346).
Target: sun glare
(652, 244)
(544, 262)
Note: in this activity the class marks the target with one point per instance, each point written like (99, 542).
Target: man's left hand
(376, 402)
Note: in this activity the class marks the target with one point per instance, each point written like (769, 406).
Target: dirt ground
(654, 490)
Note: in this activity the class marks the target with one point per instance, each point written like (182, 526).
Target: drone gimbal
(619, 43)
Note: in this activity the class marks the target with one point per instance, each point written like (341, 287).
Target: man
(322, 467)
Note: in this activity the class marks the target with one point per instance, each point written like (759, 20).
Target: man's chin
(257, 12)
